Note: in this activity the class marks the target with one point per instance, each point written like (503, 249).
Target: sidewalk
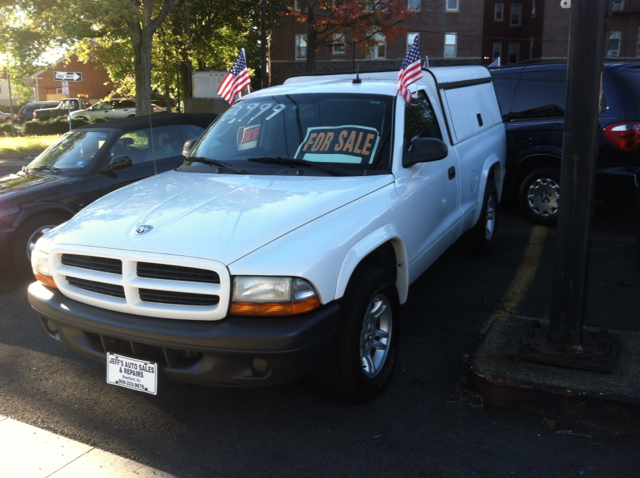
(28, 452)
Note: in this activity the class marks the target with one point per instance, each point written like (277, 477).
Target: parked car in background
(83, 165)
(110, 109)
(156, 108)
(4, 117)
(26, 112)
(61, 109)
(532, 101)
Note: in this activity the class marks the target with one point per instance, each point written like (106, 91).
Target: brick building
(449, 31)
(454, 32)
(95, 81)
(533, 31)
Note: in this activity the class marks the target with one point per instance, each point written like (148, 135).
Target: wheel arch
(42, 210)
(384, 248)
(532, 162)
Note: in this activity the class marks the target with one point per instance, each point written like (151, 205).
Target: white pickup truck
(286, 242)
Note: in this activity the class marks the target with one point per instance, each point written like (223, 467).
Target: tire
(480, 238)
(365, 348)
(539, 196)
(28, 233)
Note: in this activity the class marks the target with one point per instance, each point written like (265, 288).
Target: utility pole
(565, 342)
(13, 132)
(263, 45)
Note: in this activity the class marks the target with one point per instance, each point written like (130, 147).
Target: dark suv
(26, 112)
(532, 100)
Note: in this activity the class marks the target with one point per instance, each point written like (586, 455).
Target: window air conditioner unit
(613, 53)
(617, 6)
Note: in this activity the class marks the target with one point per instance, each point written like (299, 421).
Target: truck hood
(218, 217)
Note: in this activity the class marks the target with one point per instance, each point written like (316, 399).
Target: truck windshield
(73, 151)
(345, 133)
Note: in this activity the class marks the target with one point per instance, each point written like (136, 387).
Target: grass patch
(26, 144)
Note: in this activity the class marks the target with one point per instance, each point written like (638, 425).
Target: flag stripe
(235, 80)
(411, 70)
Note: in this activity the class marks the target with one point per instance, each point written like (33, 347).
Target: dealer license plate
(132, 373)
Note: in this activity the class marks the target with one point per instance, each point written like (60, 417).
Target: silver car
(110, 109)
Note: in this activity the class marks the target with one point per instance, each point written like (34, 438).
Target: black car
(26, 112)
(83, 165)
(532, 100)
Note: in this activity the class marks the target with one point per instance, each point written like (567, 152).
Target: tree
(363, 19)
(65, 22)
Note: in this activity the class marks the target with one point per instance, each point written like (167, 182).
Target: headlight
(273, 296)
(41, 267)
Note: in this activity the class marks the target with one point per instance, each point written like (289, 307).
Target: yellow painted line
(524, 276)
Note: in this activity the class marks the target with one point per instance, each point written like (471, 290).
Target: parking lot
(425, 424)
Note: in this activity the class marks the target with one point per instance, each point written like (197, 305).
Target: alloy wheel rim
(490, 215)
(375, 336)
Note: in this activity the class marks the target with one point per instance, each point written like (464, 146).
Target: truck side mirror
(119, 162)
(188, 146)
(424, 150)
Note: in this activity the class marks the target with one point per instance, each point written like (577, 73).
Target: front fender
(366, 245)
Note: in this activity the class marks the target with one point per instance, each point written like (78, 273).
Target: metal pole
(263, 45)
(13, 132)
(587, 43)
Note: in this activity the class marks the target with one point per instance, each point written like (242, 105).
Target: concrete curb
(29, 451)
(600, 399)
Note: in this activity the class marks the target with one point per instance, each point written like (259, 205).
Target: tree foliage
(359, 21)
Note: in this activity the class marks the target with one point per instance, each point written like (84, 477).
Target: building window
(514, 52)
(450, 45)
(497, 50)
(301, 47)
(410, 38)
(614, 44)
(516, 15)
(617, 5)
(638, 44)
(498, 12)
(338, 46)
(414, 5)
(452, 5)
(533, 9)
(379, 50)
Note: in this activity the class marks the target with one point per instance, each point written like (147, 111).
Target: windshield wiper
(294, 162)
(215, 162)
(53, 169)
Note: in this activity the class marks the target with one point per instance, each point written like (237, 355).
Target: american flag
(235, 80)
(411, 70)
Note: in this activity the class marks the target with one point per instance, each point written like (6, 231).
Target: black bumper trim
(221, 352)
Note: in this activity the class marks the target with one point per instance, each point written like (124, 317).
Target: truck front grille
(97, 287)
(155, 285)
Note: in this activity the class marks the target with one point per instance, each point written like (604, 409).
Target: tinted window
(74, 150)
(540, 94)
(630, 79)
(190, 131)
(420, 121)
(145, 145)
(505, 85)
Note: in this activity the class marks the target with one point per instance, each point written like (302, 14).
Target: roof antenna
(357, 81)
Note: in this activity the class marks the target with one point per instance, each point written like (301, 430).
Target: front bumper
(235, 351)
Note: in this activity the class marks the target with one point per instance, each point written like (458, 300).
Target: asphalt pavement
(425, 423)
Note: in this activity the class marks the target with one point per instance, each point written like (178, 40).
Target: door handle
(452, 172)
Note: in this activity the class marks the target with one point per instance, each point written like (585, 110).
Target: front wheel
(365, 349)
(481, 237)
(540, 196)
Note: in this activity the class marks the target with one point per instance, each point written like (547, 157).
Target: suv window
(540, 94)
(143, 145)
(505, 85)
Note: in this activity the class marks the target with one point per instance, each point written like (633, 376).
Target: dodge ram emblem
(143, 229)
